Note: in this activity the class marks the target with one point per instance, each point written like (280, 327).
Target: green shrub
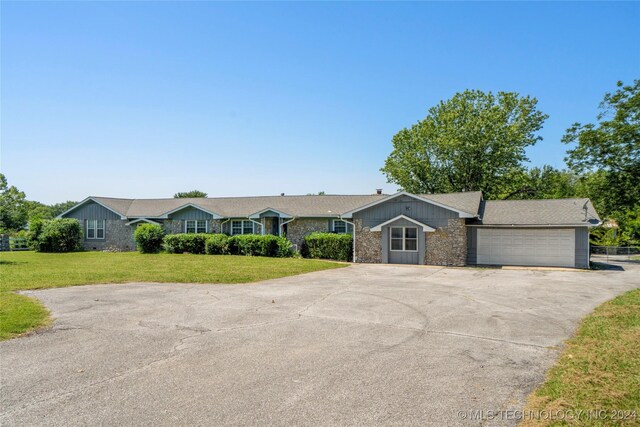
(285, 248)
(56, 235)
(328, 246)
(217, 244)
(35, 229)
(260, 245)
(149, 238)
(192, 243)
(254, 245)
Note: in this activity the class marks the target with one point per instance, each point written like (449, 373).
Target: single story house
(454, 229)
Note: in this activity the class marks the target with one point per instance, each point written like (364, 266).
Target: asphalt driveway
(367, 344)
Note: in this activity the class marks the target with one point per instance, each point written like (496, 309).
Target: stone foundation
(368, 246)
(118, 237)
(447, 245)
(298, 228)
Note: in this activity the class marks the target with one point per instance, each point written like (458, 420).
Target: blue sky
(143, 99)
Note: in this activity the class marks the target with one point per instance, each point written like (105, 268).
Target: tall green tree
(543, 183)
(473, 141)
(187, 194)
(13, 207)
(611, 147)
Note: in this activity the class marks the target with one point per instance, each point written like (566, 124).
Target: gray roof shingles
(297, 206)
(468, 202)
(491, 212)
(539, 212)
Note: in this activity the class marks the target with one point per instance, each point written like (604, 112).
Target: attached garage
(527, 246)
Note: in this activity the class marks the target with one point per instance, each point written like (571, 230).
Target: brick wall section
(118, 237)
(368, 244)
(298, 228)
(447, 245)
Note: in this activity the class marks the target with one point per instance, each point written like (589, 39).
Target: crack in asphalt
(431, 331)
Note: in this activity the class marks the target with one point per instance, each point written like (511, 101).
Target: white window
(95, 229)
(339, 226)
(404, 239)
(195, 226)
(241, 227)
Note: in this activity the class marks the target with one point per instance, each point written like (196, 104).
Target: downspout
(353, 233)
(281, 228)
(260, 224)
(222, 225)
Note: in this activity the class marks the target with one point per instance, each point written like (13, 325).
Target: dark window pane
(236, 227)
(396, 233)
(411, 245)
(410, 233)
(396, 244)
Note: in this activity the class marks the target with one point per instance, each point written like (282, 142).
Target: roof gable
(117, 206)
(432, 199)
(192, 206)
(424, 227)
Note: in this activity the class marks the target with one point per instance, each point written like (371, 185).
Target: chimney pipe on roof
(378, 191)
(282, 194)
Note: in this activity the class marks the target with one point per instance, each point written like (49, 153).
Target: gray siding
(582, 247)
(395, 257)
(472, 245)
(91, 210)
(433, 215)
(190, 213)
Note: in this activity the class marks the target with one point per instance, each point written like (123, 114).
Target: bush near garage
(56, 235)
(334, 246)
(149, 238)
(192, 243)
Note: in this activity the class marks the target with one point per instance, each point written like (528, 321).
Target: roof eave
(92, 199)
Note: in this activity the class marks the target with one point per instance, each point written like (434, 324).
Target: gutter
(222, 225)
(353, 227)
(281, 227)
(259, 223)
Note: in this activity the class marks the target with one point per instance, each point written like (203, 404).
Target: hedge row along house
(453, 229)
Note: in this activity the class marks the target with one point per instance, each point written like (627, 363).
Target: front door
(403, 245)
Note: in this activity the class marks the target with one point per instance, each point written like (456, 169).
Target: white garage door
(537, 247)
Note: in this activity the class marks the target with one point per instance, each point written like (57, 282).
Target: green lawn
(31, 270)
(598, 370)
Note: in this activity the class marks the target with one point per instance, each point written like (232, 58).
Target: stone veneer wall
(173, 226)
(298, 228)
(118, 237)
(368, 244)
(447, 245)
